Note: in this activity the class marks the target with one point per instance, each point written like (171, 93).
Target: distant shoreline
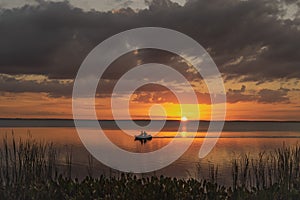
(170, 125)
(111, 120)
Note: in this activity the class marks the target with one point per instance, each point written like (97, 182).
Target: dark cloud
(234, 96)
(131, 59)
(149, 93)
(53, 38)
(54, 88)
(154, 97)
(262, 96)
(273, 96)
(163, 95)
(247, 39)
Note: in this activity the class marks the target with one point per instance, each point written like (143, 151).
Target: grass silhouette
(31, 170)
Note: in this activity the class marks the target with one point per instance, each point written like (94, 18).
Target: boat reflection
(143, 141)
(143, 137)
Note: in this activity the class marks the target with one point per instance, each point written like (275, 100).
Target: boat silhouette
(143, 137)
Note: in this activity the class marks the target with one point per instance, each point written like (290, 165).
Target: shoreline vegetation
(145, 119)
(30, 169)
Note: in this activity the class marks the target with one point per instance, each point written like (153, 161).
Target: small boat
(143, 136)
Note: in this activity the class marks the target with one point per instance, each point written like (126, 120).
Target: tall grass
(31, 170)
(277, 170)
(24, 161)
(280, 166)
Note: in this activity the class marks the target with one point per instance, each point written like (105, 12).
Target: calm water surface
(257, 137)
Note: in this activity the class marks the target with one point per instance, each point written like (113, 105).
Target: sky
(255, 45)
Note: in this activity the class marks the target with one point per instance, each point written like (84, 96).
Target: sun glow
(184, 119)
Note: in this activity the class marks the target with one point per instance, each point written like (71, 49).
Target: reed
(24, 161)
(277, 170)
(31, 170)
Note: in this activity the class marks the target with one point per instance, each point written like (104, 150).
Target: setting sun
(184, 119)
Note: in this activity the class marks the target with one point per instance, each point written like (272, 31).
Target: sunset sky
(255, 45)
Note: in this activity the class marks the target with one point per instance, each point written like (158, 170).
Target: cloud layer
(248, 40)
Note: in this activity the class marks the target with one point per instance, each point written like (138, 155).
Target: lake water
(237, 138)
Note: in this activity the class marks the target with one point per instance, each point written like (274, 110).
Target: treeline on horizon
(171, 125)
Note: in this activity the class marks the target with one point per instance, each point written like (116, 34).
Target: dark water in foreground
(237, 138)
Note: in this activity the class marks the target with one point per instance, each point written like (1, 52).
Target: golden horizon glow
(49, 107)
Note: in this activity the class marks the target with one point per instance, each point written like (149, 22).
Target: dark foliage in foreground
(130, 187)
(29, 170)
